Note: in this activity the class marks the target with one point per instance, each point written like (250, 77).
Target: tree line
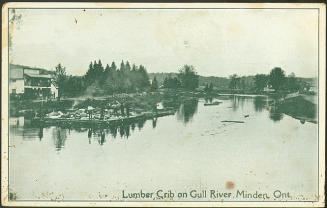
(100, 79)
(276, 80)
(127, 78)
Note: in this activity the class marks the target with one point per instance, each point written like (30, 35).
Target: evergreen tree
(144, 77)
(122, 66)
(154, 84)
(134, 68)
(89, 74)
(107, 69)
(127, 67)
(113, 66)
(111, 80)
(60, 77)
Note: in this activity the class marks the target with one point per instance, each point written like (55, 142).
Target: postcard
(163, 104)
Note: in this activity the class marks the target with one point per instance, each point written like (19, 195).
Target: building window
(13, 91)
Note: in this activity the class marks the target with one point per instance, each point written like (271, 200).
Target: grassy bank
(299, 107)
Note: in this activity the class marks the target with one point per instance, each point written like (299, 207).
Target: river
(192, 149)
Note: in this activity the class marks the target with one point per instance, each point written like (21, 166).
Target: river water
(190, 150)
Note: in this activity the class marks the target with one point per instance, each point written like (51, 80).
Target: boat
(213, 103)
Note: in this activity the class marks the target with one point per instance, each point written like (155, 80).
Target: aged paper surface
(130, 104)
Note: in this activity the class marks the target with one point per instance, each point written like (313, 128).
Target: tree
(127, 67)
(113, 66)
(98, 69)
(188, 77)
(292, 83)
(234, 82)
(59, 78)
(154, 84)
(208, 87)
(260, 81)
(143, 77)
(73, 86)
(122, 66)
(277, 78)
(171, 82)
(110, 80)
(107, 69)
(89, 76)
(176, 83)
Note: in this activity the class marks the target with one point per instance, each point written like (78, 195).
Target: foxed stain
(15, 20)
(230, 185)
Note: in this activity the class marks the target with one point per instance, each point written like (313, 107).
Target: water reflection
(259, 103)
(237, 101)
(113, 131)
(99, 135)
(275, 114)
(123, 130)
(185, 113)
(187, 110)
(102, 138)
(41, 133)
(154, 122)
(89, 133)
(140, 124)
(59, 136)
(208, 99)
(171, 102)
(107, 160)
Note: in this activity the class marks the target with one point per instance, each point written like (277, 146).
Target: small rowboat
(213, 103)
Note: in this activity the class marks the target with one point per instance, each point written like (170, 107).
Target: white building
(268, 88)
(31, 82)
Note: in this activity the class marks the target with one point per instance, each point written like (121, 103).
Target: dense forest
(108, 79)
(127, 78)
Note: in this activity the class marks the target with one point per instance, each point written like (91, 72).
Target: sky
(217, 42)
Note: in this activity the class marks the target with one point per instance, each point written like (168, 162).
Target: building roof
(28, 67)
(46, 76)
(17, 71)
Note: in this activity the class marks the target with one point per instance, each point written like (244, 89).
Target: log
(232, 121)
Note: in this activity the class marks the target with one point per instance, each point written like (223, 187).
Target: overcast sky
(216, 42)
